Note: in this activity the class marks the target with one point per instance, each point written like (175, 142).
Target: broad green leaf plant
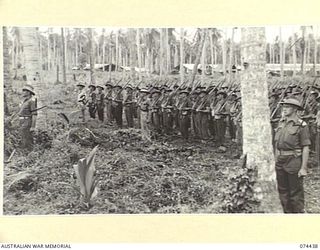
(86, 179)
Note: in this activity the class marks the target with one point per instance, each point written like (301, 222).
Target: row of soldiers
(204, 112)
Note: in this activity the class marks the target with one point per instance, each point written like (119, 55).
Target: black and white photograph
(161, 120)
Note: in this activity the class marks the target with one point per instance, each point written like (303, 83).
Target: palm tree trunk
(281, 55)
(91, 56)
(303, 50)
(7, 79)
(138, 53)
(213, 61)
(49, 54)
(294, 58)
(64, 74)
(203, 58)
(181, 55)
(198, 55)
(224, 56)
(29, 39)
(231, 55)
(117, 50)
(315, 52)
(168, 68)
(257, 144)
(161, 53)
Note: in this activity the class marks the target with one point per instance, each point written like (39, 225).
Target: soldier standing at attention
(100, 103)
(117, 107)
(167, 108)
(144, 104)
(27, 116)
(82, 100)
(184, 108)
(155, 109)
(92, 101)
(292, 140)
(108, 97)
(219, 116)
(128, 106)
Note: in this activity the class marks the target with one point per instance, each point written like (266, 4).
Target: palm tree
(64, 74)
(257, 143)
(6, 67)
(29, 39)
(181, 56)
(201, 39)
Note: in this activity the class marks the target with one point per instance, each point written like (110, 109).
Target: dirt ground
(167, 175)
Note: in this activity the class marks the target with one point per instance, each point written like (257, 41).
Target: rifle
(205, 99)
(280, 100)
(305, 100)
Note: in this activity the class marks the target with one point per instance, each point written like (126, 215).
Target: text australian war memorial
(161, 120)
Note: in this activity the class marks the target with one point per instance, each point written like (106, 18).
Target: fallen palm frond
(86, 179)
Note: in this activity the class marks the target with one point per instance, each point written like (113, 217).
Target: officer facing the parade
(292, 141)
(27, 116)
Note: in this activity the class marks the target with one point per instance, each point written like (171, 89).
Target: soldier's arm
(305, 157)
(305, 143)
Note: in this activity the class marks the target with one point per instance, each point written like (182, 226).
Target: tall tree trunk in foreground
(7, 79)
(257, 144)
(29, 39)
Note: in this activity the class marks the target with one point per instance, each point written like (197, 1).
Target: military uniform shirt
(292, 134)
(28, 108)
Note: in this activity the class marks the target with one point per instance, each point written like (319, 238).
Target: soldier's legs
(144, 125)
(92, 112)
(232, 129)
(296, 198)
(118, 116)
(129, 117)
(138, 118)
(284, 189)
(184, 126)
(198, 124)
(211, 127)
(204, 126)
(100, 112)
(26, 134)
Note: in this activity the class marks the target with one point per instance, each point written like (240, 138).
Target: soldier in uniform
(128, 106)
(155, 110)
(184, 107)
(92, 101)
(100, 102)
(27, 116)
(292, 140)
(82, 100)
(203, 115)
(219, 116)
(144, 106)
(117, 107)
(233, 109)
(167, 108)
(108, 102)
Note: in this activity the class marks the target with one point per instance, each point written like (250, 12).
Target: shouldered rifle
(280, 100)
(305, 100)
